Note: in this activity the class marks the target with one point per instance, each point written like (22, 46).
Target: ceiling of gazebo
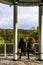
(21, 2)
(6, 2)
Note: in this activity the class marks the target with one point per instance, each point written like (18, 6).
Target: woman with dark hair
(22, 47)
(30, 46)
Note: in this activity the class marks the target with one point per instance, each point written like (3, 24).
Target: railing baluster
(5, 49)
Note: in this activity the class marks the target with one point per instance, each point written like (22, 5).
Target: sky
(28, 17)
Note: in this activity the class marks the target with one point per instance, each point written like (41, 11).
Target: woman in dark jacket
(22, 46)
(30, 46)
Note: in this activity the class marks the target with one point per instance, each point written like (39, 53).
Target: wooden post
(41, 32)
(15, 33)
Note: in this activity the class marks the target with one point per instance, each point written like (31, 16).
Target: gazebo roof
(21, 2)
(9, 2)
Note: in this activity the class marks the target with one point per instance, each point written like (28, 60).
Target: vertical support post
(41, 32)
(15, 33)
(5, 49)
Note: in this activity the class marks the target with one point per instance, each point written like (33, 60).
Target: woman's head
(32, 40)
(21, 39)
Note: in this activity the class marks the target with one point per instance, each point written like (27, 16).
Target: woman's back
(22, 45)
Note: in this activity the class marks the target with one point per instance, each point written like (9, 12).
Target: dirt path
(23, 61)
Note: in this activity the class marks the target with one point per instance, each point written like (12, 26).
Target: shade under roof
(6, 2)
(21, 2)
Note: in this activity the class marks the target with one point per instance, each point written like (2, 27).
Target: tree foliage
(7, 34)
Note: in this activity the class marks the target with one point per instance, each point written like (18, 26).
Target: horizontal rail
(6, 43)
(30, 53)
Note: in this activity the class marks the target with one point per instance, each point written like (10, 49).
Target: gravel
(23, 61)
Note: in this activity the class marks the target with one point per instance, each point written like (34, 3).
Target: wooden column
(15, 33)
(41, 32)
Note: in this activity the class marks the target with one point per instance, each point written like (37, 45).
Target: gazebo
(15, 3)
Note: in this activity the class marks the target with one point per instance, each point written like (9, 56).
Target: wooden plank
(22, 2)
(29, 0)
(6, 2)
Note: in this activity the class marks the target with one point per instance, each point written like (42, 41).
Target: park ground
(23, 61)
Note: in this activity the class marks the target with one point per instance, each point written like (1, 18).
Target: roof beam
(22, 2)
(8, 2)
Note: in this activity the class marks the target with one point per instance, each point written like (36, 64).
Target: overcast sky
(27, 17)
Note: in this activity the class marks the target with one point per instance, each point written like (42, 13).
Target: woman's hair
(32, 40)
